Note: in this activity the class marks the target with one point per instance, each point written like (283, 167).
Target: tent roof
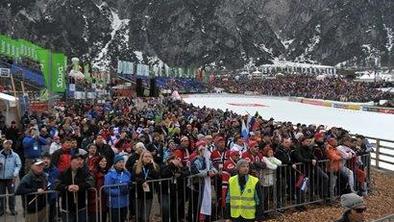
(7, 97)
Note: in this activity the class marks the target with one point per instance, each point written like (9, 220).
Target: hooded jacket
(10, 164)
(117, 188)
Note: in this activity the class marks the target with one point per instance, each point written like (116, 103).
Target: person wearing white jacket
(347, 153)
(10, 164)
(55, 145)
(239, 145)
(269, 174)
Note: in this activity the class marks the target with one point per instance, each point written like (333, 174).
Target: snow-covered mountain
(199, 32)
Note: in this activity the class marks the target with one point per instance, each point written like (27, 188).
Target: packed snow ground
(372, 124)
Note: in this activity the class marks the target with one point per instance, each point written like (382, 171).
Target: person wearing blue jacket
(32, 143)
(116, 183)
(10, 164)
(52, 174)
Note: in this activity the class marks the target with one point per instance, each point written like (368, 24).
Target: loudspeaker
(139, 88)
(153, 92)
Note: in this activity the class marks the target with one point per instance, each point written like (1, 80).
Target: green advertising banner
(16, 48)
(44, 60)
(2, 44)
(59, 65)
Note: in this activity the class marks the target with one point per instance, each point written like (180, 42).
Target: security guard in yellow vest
(244, 201)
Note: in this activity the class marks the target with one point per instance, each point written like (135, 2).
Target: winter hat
(352, 201)
(299, 135)
(201, 143)
(233, 154)
(319, 136)
(252, 143)
(118, 158)
(241, 162)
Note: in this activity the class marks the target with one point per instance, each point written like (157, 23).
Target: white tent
(11, 100)
(8, 104)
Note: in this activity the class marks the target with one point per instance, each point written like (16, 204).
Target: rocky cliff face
(198, 32)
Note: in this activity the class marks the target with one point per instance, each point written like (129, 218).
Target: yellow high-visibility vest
(243, 203)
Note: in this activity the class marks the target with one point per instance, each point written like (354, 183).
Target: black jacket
(156, 148)
(304, 155)
(150, 174)
(12, 134)
(178, 181)
(30, 183)
(83, 179)
(106, 151)
(283, 155)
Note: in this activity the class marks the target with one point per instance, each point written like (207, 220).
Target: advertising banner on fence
(59, 65)
(43, 58)
(353, 107)
(386, 110)
(312, 102)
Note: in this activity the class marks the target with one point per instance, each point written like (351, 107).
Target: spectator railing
(179, 198)
(383, 155)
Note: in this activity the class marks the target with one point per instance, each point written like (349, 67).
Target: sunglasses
(360, 210)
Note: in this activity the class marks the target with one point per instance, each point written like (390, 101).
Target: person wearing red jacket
(218, 157)
(92, 158)
(254, 157)
(183, 153)
(229, 170)
(62, 158)
(98, 173)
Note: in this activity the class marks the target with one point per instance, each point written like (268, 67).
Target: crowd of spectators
(308, 86)
(132, 140)
(182, 85)
(22, 62)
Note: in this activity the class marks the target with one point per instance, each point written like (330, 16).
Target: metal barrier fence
(383, 154)
(51, 206)
(180, 198)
